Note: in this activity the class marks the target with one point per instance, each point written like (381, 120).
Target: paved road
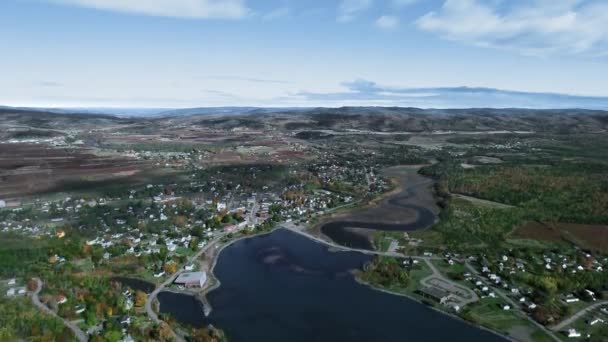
(153, 316)
(80, 335)
(516, 306)
(292, 227)
(576, 316)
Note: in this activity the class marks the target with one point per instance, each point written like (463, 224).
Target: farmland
(90, 198)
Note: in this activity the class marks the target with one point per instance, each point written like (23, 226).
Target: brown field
(592, 237)
(27, 169)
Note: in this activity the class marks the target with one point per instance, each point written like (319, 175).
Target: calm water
(285, 287)
(135, 284)
(338, 230)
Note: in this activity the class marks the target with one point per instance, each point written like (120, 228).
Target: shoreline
(410, 297)
(398, 186)
(202, 295)
(315, 231)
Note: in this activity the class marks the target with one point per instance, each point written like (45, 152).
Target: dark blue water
(285, 287)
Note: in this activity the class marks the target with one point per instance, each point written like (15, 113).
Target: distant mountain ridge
(377, 119)
(235, 110)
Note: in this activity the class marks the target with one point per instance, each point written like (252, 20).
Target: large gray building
(191, 279)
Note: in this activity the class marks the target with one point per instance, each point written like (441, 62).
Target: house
(10, 292)
(596, 321)
(191, 279)
(125, 320)
(128, 304)
(590, 294)
(571, 299)
(12, 282)
(572, 333)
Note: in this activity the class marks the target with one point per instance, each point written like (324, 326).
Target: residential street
(80, 335)
(516, 306)
(563, 324)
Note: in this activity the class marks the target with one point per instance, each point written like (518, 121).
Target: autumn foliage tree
(140, 298)
(170, 267)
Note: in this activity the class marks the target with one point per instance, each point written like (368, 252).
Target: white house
(572, 333)
(571, 299)
(596, 321)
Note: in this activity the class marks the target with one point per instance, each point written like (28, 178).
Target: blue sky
(185, 53)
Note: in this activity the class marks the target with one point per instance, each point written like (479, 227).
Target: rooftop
(188, 277)
(434, 292)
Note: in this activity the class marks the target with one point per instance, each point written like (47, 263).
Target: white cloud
(538, 27)
(229, 9)
(349, 9)
(387, 22)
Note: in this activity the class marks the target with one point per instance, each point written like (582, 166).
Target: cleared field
(27, 169)
(593, 237)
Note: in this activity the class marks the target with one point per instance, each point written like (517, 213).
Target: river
(412, 208)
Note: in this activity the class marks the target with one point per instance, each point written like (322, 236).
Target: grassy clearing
(489, 313)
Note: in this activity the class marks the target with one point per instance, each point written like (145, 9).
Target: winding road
(80, 335)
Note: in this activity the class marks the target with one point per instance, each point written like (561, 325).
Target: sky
(279, 53)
